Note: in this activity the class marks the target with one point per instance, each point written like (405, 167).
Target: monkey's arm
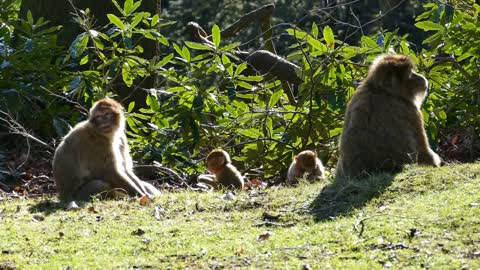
(208, 179)
(319, 170)
(128, 168)
(425, 154)
(292, 173)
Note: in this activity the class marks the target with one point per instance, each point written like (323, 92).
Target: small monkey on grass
(224, 174)
(93, 158)
(305, 163)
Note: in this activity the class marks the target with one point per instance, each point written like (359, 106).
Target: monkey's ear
(314, 153)
(296, 158)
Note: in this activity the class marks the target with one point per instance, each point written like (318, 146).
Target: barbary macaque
(93, 158)
(223, 173)
(384, 127)
(305, 164)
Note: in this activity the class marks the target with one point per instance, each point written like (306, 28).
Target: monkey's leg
(208, 179)
(151, 189)
(91, 188)
(429, 158)
(119, 178)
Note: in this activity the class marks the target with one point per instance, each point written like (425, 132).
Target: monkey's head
(106, 116)
(394, 74)
(306, 161)
(217, 160)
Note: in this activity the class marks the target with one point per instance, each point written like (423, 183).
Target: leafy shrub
(202, 97)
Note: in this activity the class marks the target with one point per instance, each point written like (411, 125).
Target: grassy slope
(422, 218)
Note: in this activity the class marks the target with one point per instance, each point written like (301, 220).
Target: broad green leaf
(252, 133)
(127, 75)
(297, 33)
(216, 35)
(314, 30)
(155, 20)
(442, 115)
(239, 69)
(197, 46)
(78, 45)
(429, 26)
(229, 47)
(250, 78)
(178, 50)
(335, 132)
(164, 60)
(244, 84)
(274, 98)
(84, 60)
(186, 53)
(369, 42)
(137, 19)
(328, 36)
(320, 47)
(75, 83)
(120, 9)
(228, 64)
(116, 21)
(131, 106)
(128, 6)
(29, 17)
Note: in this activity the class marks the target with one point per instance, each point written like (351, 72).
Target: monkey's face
(105, 118)
(306, 163)
(215, 162)
(419, 85)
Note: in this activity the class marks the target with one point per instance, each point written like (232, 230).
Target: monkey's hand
(429, 158)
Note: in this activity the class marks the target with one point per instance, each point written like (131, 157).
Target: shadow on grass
(47, 207)
(344, 195)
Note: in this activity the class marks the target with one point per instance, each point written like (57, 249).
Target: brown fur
(225, 175)
(93, 158)
(308, 163)
(384, 126)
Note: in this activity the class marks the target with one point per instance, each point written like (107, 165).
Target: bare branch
(263, 13)
(16, 128)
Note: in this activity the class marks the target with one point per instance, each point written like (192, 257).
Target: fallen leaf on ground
(144, 200)
(264, 235)
(38, 217)
(138, 232)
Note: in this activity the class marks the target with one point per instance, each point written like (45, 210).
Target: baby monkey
(224, 174)
(306, 163)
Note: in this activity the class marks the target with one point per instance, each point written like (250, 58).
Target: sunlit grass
(421, 218)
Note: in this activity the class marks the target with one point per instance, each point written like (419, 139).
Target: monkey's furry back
(383, 127)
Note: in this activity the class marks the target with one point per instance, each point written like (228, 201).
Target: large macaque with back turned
(305, 164)
(384, 127)
(93, 158)
(224, 174)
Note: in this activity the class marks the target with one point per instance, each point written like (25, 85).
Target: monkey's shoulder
(380, 101)
(231, 172)
(83, 136)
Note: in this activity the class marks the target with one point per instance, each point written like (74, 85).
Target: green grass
(421, 218)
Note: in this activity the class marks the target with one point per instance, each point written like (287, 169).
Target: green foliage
(30, 72)
(202, 96)
(452, 66)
